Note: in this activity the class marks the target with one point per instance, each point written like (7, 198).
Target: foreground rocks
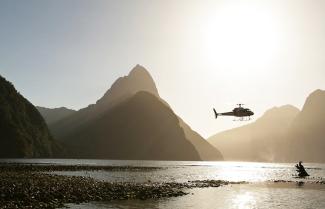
(26, 186)
(58, 167)
(37, 190)
(300, 182)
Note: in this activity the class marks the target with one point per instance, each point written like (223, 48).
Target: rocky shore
(28, 186)
(59, 167)
(317, 181)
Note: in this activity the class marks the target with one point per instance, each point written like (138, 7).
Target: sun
(240, 36)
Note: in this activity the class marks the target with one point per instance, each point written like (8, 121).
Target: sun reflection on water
(252, 172)
(245, 200)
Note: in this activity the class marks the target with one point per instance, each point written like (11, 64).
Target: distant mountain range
(258, 141)
(23, 131)
(282, 134)
(130, 121)
(54, 115)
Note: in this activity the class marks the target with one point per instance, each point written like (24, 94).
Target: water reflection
(253, 195)
(246, 200)
(227, 197)
(300, 184)
(229, 171)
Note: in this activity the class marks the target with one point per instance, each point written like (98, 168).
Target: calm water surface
(258, 193)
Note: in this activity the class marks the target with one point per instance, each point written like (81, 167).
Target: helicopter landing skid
(243, 119)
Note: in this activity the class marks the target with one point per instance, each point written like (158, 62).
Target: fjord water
(258, 192)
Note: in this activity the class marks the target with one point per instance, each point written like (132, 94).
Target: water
(236, 196)
(260, 192)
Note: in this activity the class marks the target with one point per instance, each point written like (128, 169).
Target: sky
(201, 53)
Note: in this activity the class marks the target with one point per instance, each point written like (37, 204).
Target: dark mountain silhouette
(104, 130)
(141, 127)
(52, 115)
(23, 131)
(306, 137)
(262, 140)
(138, 79)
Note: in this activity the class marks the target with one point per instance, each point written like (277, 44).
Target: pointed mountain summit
(138, 79)
(131, 121)
(23, 131)
(313, 109)
(261, 140)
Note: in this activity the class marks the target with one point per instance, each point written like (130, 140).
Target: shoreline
(30, 186)
(26, 186)
(57, 167)
(39, 190)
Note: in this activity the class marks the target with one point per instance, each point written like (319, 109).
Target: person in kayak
(301, 170)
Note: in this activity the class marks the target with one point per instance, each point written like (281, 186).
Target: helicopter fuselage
(236, 112)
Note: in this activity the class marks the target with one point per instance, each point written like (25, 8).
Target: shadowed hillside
(281, 135)
(138, 80)
(23, 131)
(141, 128)
(262, 140)
(306, 138)
(206, 150)
(85, 128)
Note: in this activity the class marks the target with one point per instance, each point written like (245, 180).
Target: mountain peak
(139, 79)
(315, 101)
(139, 70)
(316, 94)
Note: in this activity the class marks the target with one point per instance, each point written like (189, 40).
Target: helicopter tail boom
(215, 113)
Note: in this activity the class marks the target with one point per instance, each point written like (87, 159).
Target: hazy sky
(202, 54)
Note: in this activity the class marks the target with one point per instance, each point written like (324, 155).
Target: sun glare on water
(244, 201)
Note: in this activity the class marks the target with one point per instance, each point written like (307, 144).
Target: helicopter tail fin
(215, 113)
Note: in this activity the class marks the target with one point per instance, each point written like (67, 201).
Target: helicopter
(239, 111)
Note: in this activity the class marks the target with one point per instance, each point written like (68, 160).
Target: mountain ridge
(124, 88)
(258, 141)
(148, 133)
(306, 136)
(296, 135)
(23, 131)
